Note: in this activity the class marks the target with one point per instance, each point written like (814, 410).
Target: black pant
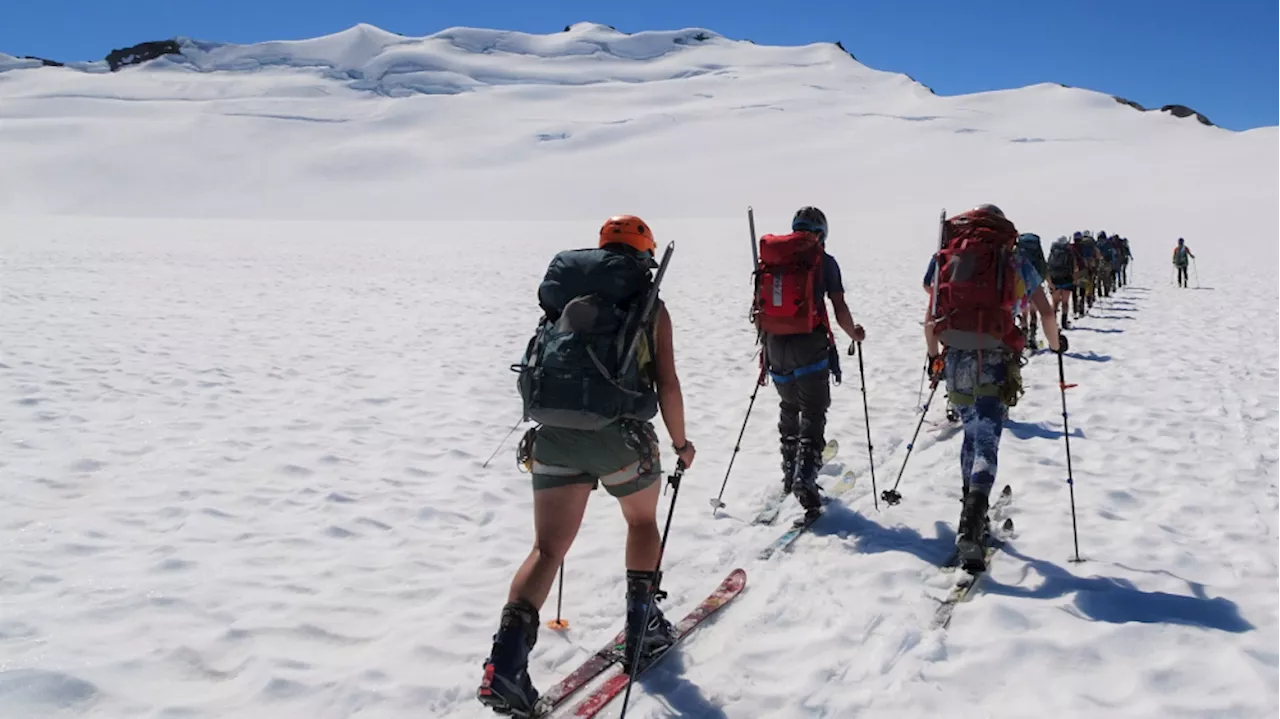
(803, 389)
(1182, 275)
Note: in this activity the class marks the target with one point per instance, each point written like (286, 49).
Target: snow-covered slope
(244, 424)
(306, 129)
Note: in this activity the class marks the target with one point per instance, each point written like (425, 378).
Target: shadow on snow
(874, 538)
(1077, 328)
(1118, 601)
(1091, 357)
(1037, 430)
(1100, 599)
(667, 682)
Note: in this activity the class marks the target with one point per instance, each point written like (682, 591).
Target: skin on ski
(773, 506)
(845, 484)
(617, 683)
(963, 588)
(594, 666)
(995, 512)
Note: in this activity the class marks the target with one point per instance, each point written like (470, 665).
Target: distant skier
(982, 279)
(1181, 257)
(1030, 248)
(797, 275)
(1126, 255)
(1079, 297)
(1092, 260)
(1106, 264)
(591, 298)
(1062, 273)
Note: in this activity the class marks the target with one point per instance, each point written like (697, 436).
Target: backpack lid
(616, 273)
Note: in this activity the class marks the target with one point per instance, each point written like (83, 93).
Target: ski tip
(1008, 525)
(1007, 491)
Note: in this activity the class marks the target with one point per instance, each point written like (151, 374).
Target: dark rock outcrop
(43, 61)
(1184, 111)
(841, 46)
(1130, 103)
(1175, 110)
(141, 53)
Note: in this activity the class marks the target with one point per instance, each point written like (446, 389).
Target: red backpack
(977, 283)
(787, 280)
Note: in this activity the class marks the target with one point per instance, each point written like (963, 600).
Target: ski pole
(559, 623)
(866, 413)
(514, 427)
(920, 392)
(716, 504)
(674, 481)
(1196, 268)
(891, 496)
(1066, 435)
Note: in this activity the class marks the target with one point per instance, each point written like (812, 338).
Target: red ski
(594, 666)
(617, 682)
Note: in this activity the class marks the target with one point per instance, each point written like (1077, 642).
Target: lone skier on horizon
(1181, 257)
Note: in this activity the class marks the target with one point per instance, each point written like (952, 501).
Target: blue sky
(1217, 57)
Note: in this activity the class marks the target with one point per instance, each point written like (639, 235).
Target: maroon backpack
(976, 286)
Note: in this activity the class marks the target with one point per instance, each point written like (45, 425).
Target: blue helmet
(810, 219)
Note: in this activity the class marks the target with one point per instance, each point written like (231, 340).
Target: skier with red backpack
(980, 285)
(794, 277)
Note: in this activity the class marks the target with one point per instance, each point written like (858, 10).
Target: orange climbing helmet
(628, 230)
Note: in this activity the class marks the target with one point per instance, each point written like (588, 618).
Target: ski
(995, 513)
(845, 484)
(965, 583)
(617, 682)
(594, 666)
(773, 505)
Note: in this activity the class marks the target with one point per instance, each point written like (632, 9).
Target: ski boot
(789, 447)
(805, 487)
(506, 687)
(971, 537)
(658, 635)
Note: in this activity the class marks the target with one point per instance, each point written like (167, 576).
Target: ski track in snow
(242, 467)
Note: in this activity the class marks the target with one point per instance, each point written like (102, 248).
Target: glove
(935, 367)
(1063, 345)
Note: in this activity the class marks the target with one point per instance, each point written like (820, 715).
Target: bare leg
(557, 514)
(641, 512)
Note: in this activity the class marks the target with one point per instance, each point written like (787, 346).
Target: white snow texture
(259, 305)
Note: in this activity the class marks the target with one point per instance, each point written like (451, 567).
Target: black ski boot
(790, 445)
(806, 490)
(506, 687)
(655, 638)
(971, 538)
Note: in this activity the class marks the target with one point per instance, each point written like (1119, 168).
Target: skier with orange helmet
(593, 403)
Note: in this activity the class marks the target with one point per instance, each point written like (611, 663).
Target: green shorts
(606, 456)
